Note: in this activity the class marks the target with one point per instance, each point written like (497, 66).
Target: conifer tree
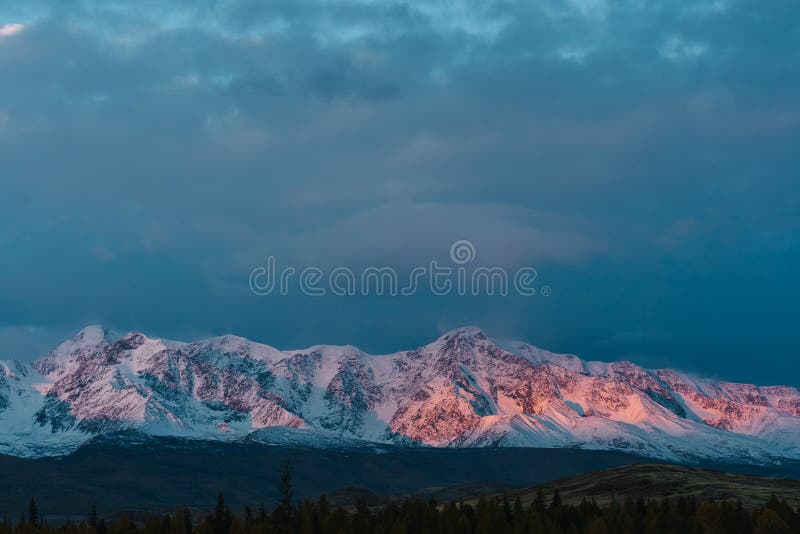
(555, 504)
(538, 502)
(187, 521)
(286, 490)
(282, 516)
(33, 513)
(220, 516)
(506, 507)
(324, 508)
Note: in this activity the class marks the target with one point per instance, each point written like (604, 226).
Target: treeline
(489, 515)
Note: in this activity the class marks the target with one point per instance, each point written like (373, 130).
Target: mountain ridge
(462, 390)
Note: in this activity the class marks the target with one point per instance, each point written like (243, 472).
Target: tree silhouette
(222, 516)
(283, 514)
(286, 490)
(33, 514)
(187, 521)
(488, 514)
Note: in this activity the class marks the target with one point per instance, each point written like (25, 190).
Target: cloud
(8, 30)
(675, 49)
(154, 152)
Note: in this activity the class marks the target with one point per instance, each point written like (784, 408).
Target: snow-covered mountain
(462, 390)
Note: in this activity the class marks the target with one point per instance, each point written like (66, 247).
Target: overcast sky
(642, 156)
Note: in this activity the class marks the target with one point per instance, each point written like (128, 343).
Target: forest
(486, 515)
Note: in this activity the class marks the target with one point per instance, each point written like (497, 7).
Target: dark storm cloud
(641, 155)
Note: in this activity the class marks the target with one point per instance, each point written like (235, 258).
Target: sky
(641, 156)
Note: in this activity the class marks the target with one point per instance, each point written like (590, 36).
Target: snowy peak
(232, 344)
(465, 336)
(93, 346)
(91, 335)
(66, 355)
(466, 332)
(463, 389)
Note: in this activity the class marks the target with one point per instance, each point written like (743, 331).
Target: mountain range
(463, 390)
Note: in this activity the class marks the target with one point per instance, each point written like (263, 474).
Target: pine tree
(33, 513)
(282, 516)
(538, 502)
(286, 490)
(221, 516)
(187, 521)
(555, 504)
(93, 517)
(227, 520)
(506, 507)
(324, 508)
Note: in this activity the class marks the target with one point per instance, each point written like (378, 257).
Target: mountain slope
(462, 390)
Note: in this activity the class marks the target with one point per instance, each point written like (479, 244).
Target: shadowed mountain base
(157, 474)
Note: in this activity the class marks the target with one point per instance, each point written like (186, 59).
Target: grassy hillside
(656, 481)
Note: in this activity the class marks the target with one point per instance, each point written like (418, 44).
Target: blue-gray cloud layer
(641, 155)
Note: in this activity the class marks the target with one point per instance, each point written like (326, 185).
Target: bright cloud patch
(676, 49)
(10, 29)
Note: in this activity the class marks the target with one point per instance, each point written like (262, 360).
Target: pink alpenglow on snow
(463, 390)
